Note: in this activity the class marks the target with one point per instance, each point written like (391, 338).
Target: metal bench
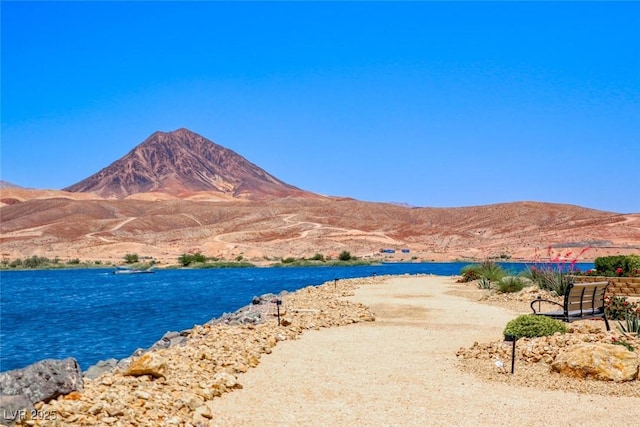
(581, 301)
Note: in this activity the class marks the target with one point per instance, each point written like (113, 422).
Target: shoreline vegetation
(192, 261)
(43, 263)
(12, 266)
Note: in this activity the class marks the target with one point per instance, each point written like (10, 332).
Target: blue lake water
(94, 315)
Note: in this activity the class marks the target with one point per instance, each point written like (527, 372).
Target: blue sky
(431, 104)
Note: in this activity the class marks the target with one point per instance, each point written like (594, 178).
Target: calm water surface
(94, 315)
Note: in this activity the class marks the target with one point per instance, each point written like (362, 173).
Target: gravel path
(401, 370)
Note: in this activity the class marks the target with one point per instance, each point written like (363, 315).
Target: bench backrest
(585, 296)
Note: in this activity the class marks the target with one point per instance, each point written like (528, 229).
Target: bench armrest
(540, 300)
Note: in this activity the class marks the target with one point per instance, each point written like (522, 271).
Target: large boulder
(607, 362)
(43, 381)
(13, 408)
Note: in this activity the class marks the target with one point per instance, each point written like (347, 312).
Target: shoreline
(230, 350)
(408, 318)
(280, 265)
(160, 334)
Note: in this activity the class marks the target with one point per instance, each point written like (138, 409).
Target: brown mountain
(181, 163)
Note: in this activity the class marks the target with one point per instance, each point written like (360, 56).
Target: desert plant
(344, 256)
(488, 270)
(469, 273)
(492, 271)
(549, 278)
(631, 324)
(531, 326)
(484, 283)
(510, 284)
(554, 275)
(616, 307)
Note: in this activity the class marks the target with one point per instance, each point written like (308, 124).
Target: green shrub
(36, 262)
(131, 258)
(317, 257)
(618, 265)
(510, 284)
(344, 256)
(531, 326)
(288, 260)
(187, 259)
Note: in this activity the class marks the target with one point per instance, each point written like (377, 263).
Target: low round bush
(531, 326)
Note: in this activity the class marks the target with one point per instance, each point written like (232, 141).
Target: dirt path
(401, 371)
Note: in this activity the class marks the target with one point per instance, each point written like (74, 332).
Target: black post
(278, 302)
(335, 284)
(513, 355)
(513, 340)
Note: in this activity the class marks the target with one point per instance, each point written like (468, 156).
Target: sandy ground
(401, 370)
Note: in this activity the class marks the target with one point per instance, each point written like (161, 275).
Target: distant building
(388, 251)
(405, 251)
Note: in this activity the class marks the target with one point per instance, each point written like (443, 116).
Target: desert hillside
(178, 192)
(71, 226)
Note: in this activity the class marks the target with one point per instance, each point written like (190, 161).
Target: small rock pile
(585, 352)
(534, 350)
(175, 384)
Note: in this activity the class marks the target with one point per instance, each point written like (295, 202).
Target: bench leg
(606, 322)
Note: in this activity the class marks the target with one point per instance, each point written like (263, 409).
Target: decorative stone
(599, 361)
(148, 364)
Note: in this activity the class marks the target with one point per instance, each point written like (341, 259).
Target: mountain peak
(180, 163)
